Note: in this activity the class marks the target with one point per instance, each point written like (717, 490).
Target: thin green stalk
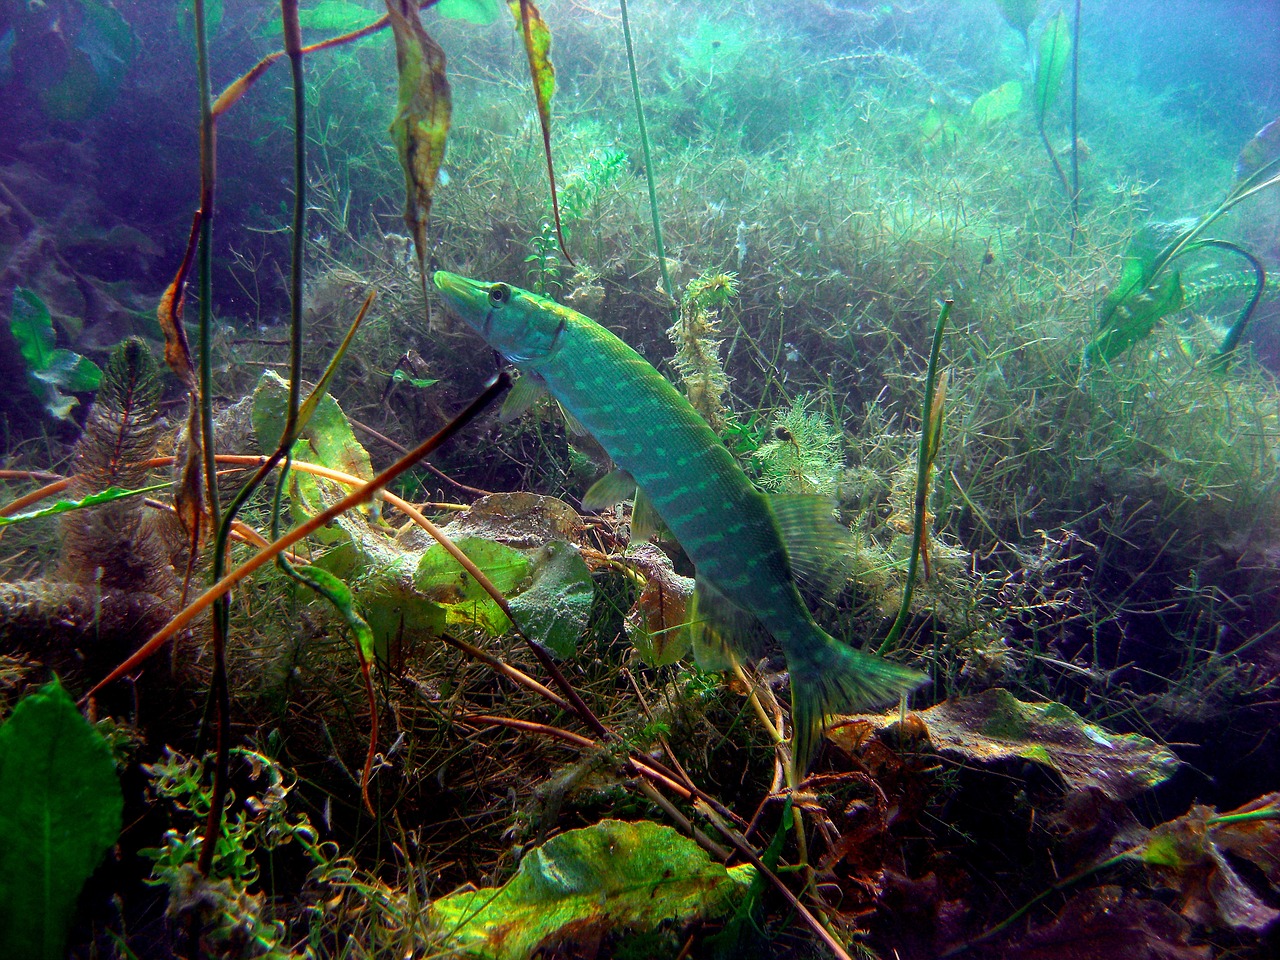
(1075, 136)
(648, 159)
(219, 696)
(924, 462)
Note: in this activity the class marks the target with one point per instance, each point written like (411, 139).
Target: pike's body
(727, 527)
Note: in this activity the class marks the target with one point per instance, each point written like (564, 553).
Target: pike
(746, 548)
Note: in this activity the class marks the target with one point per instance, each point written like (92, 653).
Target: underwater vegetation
(876, 555)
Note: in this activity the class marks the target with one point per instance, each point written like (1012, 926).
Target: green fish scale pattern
(652, 432)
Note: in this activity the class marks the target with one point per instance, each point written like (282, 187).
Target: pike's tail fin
(829, 677)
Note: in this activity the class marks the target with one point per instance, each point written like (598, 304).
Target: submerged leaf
(657, 622)
(1018, 13)
(327, 431)
(423, 111)
(1103, 924)
(60, 811)
(556, 606)
(995, 105)
(537, 44)
(588, 882)
(50, 370)
(1190, 854)
(994, 725)
(1055, 50)
(443, 580)
(480, 12)
(92, 500)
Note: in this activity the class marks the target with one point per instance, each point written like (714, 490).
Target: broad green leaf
(92, 500)
(423, 111)
(554, 609)
(480, 12)
(328, 16)
(1018, 13)
(32, 327)
(1055, 51)
(328, 434)
(443, 580)
(994, 725)
(49, 370)
(938, 129)
(60, 811)
(995, 105)
(587, 882)
(91, 66)
(1130, 318)
(70, 371)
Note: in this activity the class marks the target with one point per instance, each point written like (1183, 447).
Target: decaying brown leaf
(421, 124)
(1104, 923)
(994, 726)
(1193, 855)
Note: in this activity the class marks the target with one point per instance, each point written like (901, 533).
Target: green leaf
(328, 433)
(1018, 13)
(443, 580)
(401, 377)
(995, 105)
(1055, 51)
(60, 811)
(339, 595)
(995, 726)
(1130, 311)
(480, 12)
(328, 16)
(92, 500)
(583, 883)
(424, 109)
(938, 129)
(555, 607)
(32, 327)
(49, 370)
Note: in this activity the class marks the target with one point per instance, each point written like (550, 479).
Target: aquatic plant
(60, 812)
(50, 369)
(1145, 293)
(801, 452)
(544, 263)
(696, 334)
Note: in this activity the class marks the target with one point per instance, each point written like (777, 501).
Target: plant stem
(924, 462)
(219, 697)
(1075, 136)
(648, 159)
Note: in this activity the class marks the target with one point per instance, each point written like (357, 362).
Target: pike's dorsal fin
(721, 631)
(609, 490)
(820, 547)
(525, 392)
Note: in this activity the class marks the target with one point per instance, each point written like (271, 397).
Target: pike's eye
(499, 294)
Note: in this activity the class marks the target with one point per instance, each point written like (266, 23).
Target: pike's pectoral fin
(645, 521)
(821, 549)
(609, 490)
(525, 392)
